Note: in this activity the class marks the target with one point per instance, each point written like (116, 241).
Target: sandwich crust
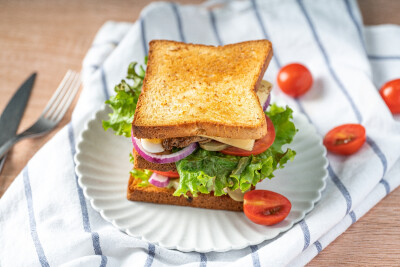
(192, 90)
(159, 195)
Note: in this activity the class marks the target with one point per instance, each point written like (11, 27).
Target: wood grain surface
(51, 37)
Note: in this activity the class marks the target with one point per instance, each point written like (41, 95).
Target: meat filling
(181, 142)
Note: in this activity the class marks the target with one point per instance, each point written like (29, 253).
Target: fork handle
(2, 161)
(4, 148)
(8, 145)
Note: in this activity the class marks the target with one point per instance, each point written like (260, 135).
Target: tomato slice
(295, 79)
(266, 207)
(259, 146)
(345, 139)
(390, 93)
(170, 174)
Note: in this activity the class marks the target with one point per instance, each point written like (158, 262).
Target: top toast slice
(192, 90)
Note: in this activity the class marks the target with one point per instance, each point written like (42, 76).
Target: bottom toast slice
(159, 195)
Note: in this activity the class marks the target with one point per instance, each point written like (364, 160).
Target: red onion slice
(159, 180)
(266, 104)
(174, 157)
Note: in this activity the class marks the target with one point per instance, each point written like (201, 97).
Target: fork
(52, 113)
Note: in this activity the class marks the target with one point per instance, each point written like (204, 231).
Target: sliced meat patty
(181, 142)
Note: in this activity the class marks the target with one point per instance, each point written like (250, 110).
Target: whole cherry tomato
(265, 207)
(295, 79)
(259, 146)
(345, 139)
(390, 93)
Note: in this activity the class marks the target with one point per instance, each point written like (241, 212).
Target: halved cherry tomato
(295, 79)
(259, 146)
(266, 207)
(170, 174)
(390, 93)
(345, 139)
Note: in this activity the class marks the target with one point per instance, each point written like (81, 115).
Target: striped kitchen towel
(46, 220)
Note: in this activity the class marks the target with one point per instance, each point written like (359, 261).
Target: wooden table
(51, 37)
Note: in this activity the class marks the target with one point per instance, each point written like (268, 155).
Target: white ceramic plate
(102, 165)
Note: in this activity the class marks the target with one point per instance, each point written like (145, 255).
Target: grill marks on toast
(192, 90)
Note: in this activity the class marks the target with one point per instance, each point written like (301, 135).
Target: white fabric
(45, 220)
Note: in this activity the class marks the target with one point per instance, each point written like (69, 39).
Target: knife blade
(12, 114)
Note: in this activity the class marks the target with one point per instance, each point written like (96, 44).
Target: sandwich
(202, 127)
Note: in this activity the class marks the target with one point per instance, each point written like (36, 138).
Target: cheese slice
(246, 144)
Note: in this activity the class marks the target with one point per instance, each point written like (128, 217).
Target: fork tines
(63, 96)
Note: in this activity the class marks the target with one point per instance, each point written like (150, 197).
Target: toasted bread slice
(159, 195)
(192, 90)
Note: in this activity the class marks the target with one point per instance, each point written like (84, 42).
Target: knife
(12, 114)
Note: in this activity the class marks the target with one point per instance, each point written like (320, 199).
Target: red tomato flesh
(259, 146)
(390, 93)
(266, 207)
(170, 174)
(345, 139)
(294, 79)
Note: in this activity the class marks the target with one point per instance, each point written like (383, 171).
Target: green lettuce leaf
(143, 175)
(123, 103)
(206, 171)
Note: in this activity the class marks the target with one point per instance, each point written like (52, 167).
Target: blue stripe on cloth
(379, 153)
(85, 218)
(341, 188)
(328, 62)
(143, 33)
(82, 202)
(95, 67)
(178, 20)
(214, 26)
(32, 222)
(386, 185)
(203, 260)
(318, 246)
(96, 242)
(353, 217)
(254, 256)
(150, 256)
(356, 24)
(301, 108)
(375, 57)
(104, 261)
(104, 83)
(306, 233)
(263, 28)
